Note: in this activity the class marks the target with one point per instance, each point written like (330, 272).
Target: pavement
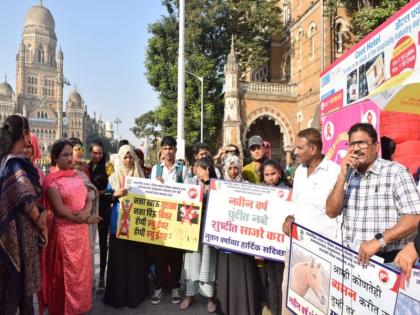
(199, 307)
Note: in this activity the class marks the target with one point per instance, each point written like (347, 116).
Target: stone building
(282, 97)
(39, 85)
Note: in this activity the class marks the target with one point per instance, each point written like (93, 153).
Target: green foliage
(367, 14)
(209, 25)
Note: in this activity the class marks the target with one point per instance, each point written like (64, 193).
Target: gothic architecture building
(282, 97)
(39, 86)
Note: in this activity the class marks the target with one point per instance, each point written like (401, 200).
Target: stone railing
(269, 88)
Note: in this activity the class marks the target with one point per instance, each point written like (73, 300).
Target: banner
(386, 52)
(325, 278)
(247, 218)
(167, 215)
(336, 124)
(408, 302)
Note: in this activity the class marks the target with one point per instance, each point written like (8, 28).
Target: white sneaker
(157, 296)
(176, 296)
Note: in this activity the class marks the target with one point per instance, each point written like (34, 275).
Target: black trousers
(103, 231)
(11, 297)
(163, 258)
(275, 279)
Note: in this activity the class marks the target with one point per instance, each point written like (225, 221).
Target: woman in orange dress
(69, 260)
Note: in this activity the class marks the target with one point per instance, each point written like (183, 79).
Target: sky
(104, 45)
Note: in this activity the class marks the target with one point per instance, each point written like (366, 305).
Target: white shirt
(169, 175)
(310, 197)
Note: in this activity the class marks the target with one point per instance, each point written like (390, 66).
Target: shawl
(35, 147)
(232, 159)
(19, 191)
(117, 178)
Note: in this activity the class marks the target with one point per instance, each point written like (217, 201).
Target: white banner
(325, 278)
(384, 53)
(408, 302)
(247, 218)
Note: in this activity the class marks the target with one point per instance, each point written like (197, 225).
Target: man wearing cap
(251, 171)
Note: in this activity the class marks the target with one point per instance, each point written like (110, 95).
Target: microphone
(348, 174)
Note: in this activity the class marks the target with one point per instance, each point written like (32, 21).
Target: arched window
(311, 36)
(340, 30)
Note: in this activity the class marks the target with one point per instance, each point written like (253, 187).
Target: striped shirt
(376, 201)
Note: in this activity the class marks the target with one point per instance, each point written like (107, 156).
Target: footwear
(186, 302)
(157, 296)
(101, 287)
(176, 296)
(211, 306)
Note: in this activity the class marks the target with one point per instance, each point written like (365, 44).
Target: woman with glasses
(78, 155)
(21, 220)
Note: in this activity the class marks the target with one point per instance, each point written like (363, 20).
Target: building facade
(282, 97)
(39, 86)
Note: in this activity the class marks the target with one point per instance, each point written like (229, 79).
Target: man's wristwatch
(381, 240)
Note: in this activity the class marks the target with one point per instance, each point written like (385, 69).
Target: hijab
(232, 159)
(117, 178)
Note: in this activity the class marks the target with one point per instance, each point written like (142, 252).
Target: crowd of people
(48, 223)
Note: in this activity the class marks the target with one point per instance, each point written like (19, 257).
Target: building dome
(38, 15)
(75, 97)
(6, 89)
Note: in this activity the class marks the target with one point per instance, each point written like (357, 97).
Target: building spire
(40, 3)
(5, 78)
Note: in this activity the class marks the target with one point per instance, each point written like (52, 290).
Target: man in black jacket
(99, 178)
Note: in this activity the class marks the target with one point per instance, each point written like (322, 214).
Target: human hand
(368, 249)
(350, 160)
(120, 192)
(406, 259)
(287, 224)
(93, 219)
(41, 223)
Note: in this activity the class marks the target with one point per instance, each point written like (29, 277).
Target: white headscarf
(232, 159)
(121, 171)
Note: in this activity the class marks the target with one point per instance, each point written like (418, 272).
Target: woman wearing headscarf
(21, 220)
(33, 153)
(69, 254)
(127, 280)
(237, 274)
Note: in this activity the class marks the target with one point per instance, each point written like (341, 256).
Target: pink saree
(67, 278)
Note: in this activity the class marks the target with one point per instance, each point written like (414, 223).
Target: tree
(210, 25)
(108, 146)
(367, 14)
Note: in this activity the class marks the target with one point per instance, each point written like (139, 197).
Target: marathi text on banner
(325, 278)
(167, 215)
(247, 218)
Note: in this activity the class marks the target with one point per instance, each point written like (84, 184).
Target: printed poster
(325, 278)
(247, 218)
(336, 124)
(388, 51)
(408, 302)
(166, 215)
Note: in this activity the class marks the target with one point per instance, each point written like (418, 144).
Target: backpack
(179, 169)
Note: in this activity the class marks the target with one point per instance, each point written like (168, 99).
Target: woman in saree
(21, 220)
(237, 274)
(69, 260)
(126, 281)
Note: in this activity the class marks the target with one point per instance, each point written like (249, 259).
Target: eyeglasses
(361, 144)
(255, 147)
